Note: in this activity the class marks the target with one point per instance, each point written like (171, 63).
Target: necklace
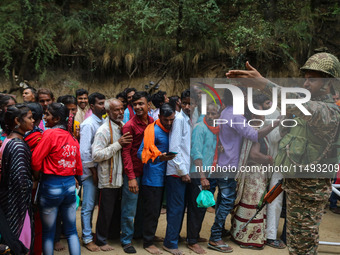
(17, 132)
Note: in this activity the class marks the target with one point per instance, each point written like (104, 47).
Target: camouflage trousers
(306, 201)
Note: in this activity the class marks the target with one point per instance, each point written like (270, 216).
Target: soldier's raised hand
(249, 78)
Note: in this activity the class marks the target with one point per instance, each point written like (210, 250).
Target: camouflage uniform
(306, 201)
(309, 142)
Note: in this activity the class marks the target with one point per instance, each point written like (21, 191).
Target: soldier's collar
(324, 98)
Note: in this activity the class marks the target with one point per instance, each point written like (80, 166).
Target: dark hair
(257, 106)
(93, 96)
(34, 92)
(173, 101)
(67, 99)
(121, 94)
(4, 99)
(185, 94)
(158, 98)
(189, 93)
(260, 98)
(80, 92)
(228, 96)
(128, 90)
(59, 110)
(248, 114)
(43, 91)
(36, 110)
(139, 94)
(14, 111)
(166, 110)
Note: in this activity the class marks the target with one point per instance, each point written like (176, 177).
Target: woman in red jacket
(57, 156)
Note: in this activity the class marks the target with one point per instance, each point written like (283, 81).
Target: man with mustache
(106, 151)
(154, 154)
(44, 98)
(29, 95)
(204, 153)
(84, 111)
(129, 111)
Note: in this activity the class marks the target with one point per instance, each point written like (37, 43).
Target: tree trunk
(24, 64)
(179, 27)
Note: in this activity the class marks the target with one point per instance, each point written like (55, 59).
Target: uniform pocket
(295, 147)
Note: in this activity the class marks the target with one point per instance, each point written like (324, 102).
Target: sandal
(277, 244)
(218, 248)
(252, 247)
(128, 248)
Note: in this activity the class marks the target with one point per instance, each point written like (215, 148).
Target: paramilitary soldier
(307, 145)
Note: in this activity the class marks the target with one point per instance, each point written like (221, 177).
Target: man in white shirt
(177, 175)
(106, 151)
(89, 178)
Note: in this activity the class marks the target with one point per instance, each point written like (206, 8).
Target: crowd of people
(136, 152)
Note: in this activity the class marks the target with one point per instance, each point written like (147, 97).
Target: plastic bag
(77, 198)
(205, 199)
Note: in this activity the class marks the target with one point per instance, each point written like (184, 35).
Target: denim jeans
(176, 202)
(89, 199)
(225, 203)
(129, 208)
(213, 185)
(57, 193)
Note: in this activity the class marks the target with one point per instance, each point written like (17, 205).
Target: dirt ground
(329, 231)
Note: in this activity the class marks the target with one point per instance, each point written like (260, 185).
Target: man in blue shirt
(204, 151)
(153, 153)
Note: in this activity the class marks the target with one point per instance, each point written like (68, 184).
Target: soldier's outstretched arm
(250, 77)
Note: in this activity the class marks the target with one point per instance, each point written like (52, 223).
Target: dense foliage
(179, 37)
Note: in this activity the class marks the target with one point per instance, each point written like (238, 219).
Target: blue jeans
(57, 193)
(225, 203)
(175, 207)
(129, 208)
(213, 185)
(89, 199)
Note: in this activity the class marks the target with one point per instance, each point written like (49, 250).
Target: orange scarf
(215, 131)
(150, 151)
